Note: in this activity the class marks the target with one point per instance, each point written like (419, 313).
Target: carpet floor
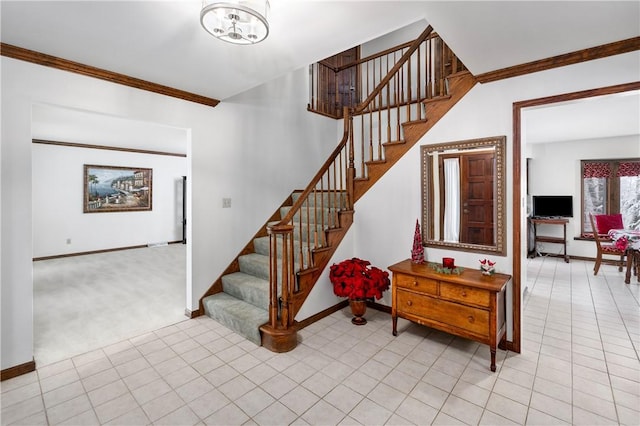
(85, 302)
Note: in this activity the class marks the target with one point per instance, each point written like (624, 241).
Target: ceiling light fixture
(237, 22)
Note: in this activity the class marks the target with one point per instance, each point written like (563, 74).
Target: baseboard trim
(82, 253)
(193, 314)
(584, 258)
(379, 307)
(17, 370)
(322, 314)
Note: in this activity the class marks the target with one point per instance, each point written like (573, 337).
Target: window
(611, 186)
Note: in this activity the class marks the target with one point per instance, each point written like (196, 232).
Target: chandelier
(238, 22)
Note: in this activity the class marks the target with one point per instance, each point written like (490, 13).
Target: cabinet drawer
(464, 294)
(474, 320)
(423, 285)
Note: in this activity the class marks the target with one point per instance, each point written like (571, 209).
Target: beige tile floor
(579, 365)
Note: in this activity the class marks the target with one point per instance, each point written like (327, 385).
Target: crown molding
(602, 51)
(104, 147)
(34, 57)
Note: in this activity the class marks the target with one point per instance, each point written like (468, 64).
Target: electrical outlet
(226, 203)
(68, 240)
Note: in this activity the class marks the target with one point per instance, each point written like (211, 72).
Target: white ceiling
(163, 42)
(591, 118)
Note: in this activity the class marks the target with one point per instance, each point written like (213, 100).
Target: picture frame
(117, 189)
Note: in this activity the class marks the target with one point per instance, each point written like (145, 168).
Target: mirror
(463, 195)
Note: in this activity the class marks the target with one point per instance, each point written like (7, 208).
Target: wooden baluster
(388, 107)
(348, 122)
(429, 70)
(315, 217)
(336, 181)
(409, 89)
(370, 119)
(328, 196)
(312, 100)
(399, 94)
(308, 242)
(418, 84)
(443, 59)
(322, 209)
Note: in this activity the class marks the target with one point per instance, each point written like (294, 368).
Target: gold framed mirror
(463, 195)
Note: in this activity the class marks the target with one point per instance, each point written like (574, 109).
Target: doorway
(103, 277)
(519, 219)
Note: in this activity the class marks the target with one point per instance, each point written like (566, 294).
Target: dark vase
(358, 309)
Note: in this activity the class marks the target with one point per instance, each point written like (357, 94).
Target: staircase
(243, 303)
(263, 289)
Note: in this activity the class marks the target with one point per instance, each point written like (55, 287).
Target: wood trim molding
(193, 314)
(17, 370)
(322, 314)
(38, 58)
(59, 256)
(379, 307)
(602, 51)
(108, 148)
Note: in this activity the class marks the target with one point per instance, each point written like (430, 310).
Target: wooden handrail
(374, 56)
(379, 54)
(314, 181)
(404, 58)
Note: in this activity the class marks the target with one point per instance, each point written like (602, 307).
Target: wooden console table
(469, 305)
(555, 240)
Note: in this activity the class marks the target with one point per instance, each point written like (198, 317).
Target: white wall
(385, 216)
(58, 185)
(393, 39)
(554, 169)
(236, 150)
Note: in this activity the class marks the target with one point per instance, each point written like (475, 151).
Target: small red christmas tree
(417, 253)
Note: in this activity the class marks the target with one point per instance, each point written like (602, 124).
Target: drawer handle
(409, 303)
(463, 294)
(471, 319)
(415, 283)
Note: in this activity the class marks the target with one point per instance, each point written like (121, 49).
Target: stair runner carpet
(243, 304)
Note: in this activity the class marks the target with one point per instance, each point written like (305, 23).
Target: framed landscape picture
(116, 189)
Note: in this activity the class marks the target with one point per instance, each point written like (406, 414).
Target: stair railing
(419, 73)
(321, 203)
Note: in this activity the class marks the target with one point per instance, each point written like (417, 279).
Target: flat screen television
(553, 206)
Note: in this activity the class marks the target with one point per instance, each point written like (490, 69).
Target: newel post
(279, 335)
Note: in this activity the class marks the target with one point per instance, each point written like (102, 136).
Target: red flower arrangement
(356, 279)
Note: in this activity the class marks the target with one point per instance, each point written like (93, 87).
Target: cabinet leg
(394, 320)
(493, 359)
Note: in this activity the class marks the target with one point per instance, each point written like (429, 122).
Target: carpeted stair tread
(325, 200)
(261, 246)
(240, 316)
(248, 288)
(317, 215)
(243, 304)
(255, 264)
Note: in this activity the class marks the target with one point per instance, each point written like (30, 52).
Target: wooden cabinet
(469, 305)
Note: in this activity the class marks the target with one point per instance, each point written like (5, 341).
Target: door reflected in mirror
(463, 195)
